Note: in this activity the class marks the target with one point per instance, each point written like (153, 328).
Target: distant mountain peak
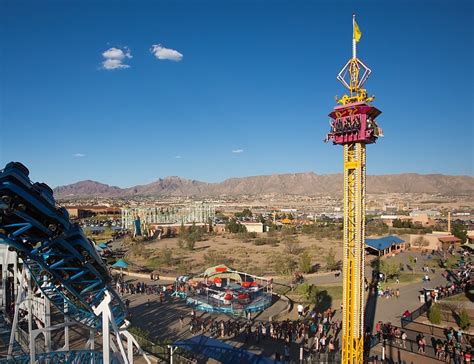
(306, 183)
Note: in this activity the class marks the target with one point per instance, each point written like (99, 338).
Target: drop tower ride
(353, 126)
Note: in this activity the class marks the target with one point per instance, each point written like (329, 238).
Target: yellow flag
(357, 32)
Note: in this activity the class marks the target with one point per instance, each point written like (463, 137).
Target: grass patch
(281, 290)
(404, 278)
(451, 262)
(153, 263)
(457, 298)
(410, 277)
(334, 291)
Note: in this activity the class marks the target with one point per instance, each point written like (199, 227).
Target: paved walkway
(162, 321)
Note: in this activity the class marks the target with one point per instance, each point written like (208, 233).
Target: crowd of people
(388, 292)
(318, 332)
(454, 348)
(132, 288)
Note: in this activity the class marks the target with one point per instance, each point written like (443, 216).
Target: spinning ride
(224, 290)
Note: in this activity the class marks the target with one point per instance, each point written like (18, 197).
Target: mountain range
(308, 184)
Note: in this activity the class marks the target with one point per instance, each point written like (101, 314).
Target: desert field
(268, 254)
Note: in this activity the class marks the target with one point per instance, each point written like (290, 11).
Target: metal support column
(353, 259)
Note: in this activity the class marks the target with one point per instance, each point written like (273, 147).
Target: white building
(253, 227)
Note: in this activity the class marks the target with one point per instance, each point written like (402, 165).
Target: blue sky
(243, 87)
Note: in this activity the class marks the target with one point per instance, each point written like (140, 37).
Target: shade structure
(121, 263)
(221, 351)
(103, 246)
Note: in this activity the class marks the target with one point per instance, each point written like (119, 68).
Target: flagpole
(354, 50)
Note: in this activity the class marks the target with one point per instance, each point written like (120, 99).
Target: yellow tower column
(353, 259)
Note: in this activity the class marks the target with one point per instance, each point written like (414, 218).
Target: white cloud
(238, 151)
(114, 58)
(178, 157)
(162, 53)
(78, 155)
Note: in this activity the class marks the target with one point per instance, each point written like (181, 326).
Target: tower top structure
(355, 73)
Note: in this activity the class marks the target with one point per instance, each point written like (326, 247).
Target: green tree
(397, 223)
(389, 269)
(310, 292)
(460, 232)
(420, 242)
(283, 264)
(244, 213)
(434, 314)
(464, 320)
(234, 227)
(305, 265)
(330, 258)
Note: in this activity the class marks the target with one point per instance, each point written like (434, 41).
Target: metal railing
(415, 314)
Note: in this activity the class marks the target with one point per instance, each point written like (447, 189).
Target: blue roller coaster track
(62, 261)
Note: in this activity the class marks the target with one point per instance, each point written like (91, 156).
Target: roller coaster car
(18, 168)
(19, 199)
(45, 192)
(63, 211)
(85, 248)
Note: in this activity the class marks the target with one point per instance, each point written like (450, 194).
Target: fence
(162, 352)
(419, 327)
(334, 357)
(415, 314)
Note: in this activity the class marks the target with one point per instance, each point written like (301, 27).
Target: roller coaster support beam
(30, 320)
(47, 323)
(108, 322)
(20, 291)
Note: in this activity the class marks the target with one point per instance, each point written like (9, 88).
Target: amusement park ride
(61, 268)
(353, 126)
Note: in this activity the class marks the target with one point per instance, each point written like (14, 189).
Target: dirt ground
(230, 249)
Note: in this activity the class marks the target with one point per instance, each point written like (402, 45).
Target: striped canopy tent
(223, 272)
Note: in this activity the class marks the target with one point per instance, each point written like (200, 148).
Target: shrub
(305, 263)
(247, 236)
(310, 291)
(190, 244)
(331, 263)
(266, 241)
(288, 230)
(292, 246)
(309, 229)
(283, 264)
(464, 320)
(434, 314)
(142, 336)
(212, 258)
(167, 256)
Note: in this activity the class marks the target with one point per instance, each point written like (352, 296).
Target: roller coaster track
(63, 263)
